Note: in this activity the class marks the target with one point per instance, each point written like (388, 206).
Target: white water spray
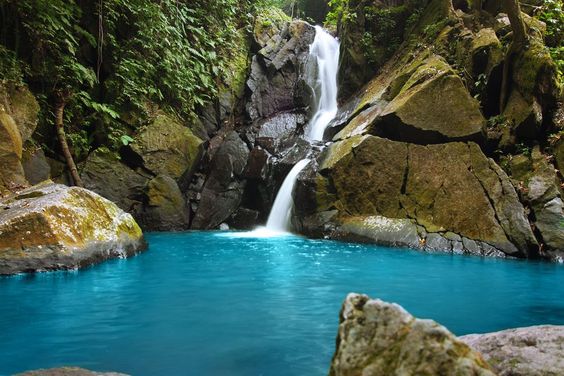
(325, 50)
(279, 218)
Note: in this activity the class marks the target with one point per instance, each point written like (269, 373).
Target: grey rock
(164, 207)
(68, 371)
(532, 351)
(35, 165)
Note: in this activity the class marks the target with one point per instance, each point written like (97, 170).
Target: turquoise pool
(209, 303)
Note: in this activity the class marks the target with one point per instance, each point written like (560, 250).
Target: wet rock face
(533, 351)
(379, 338)
(277, 69)
(419, 191)
(51, 226)
(223, 190)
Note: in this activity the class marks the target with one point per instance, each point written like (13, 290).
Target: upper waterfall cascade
(325, 51)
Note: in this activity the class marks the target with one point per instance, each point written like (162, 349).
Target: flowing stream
(325, 51)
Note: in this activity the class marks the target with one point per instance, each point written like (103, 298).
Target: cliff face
(423, 152)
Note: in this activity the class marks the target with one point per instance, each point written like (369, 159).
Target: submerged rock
(380, 339)
(532, 351)
(51, 226)
(68, 371)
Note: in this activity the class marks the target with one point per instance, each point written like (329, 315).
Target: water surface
(215, 304)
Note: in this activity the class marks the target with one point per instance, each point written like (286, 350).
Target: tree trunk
(59, 111)
(520, 42)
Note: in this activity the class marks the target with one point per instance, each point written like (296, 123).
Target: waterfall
(279, 218)
(325, 51)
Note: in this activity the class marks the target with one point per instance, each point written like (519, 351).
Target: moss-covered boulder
(440, 189)
(51, 226)
(165, 146)
(104, 173)
(164, 206)
(380, 338)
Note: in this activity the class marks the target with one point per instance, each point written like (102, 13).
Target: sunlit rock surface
(379, 339)
(51, 226)
(532, 351)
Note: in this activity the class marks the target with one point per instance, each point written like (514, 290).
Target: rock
(379, 338)
(164, 208)
(223, 189)
(540, 190)
(276, 71)
(12, 173)
(433, 106)
(532, 351)
(486, 52)
(21, 105)
(281, 126)
(35, 165)
(68, 371)
(268, 25)
(449, 187)
(244, 219)
(167, 147)
(104, 173)
(51, 226)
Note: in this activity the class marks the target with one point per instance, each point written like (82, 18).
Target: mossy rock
(449, 187)
(165, 207)
(21, 105)
(268, 24)
(11, 174)
(167, 147)
(51, 226)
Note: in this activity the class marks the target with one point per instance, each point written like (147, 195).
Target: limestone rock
(378, 338)
(165, 207)
(104, 173)
(167, 147)
(68, 371)
(51, 226)
(532, 351)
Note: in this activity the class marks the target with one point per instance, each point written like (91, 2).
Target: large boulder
(446, 191)
(104, 173)
(51, 226)
(165, 146)
(533, 351)
(429, 104)
(223, 189)
(164, 208)
(379, 338)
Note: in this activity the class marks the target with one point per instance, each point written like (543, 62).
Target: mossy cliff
(421, 150)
